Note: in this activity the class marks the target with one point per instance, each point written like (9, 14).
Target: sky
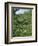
(21, 11)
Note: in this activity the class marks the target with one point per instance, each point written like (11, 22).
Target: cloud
(21, 11)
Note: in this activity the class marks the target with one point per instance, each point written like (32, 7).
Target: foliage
(22, 25)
